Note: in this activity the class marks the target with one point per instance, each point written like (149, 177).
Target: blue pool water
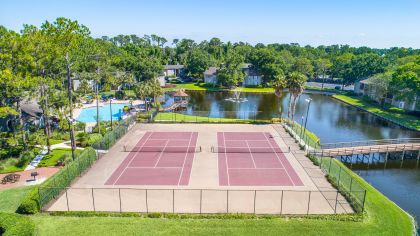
(89, 114)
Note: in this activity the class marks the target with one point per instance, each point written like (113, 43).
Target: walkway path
(26, 179)
(38, 158)
(316, 174)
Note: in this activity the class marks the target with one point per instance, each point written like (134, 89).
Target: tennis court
(253, 159)
(202, 168)
(159, 158)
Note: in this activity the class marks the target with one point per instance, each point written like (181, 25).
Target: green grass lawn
(382, 217)
(309, 137)
(176, 117)
(208, 87)
(256, 89)
(52, 158)
(392, 113)
(56, 141)
(11, 198)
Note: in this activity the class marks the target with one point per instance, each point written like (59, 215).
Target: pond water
(332, 121)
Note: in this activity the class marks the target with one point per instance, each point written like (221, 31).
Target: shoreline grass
(392, 114)
(179, 117)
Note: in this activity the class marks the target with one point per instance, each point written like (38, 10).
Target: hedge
(16, 225)
(111, 137)
(53, 186)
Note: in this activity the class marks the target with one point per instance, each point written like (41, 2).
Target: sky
(372, 23)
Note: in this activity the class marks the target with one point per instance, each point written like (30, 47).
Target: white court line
(185, 158)
(161, 153)
(287, 172)
(151, 167)
(131, 159)
(227, 167)
(265, 168)
(252, 157)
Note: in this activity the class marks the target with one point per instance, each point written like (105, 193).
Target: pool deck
(81, 106)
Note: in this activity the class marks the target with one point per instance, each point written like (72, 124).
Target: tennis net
(246, 150)
(176, 149)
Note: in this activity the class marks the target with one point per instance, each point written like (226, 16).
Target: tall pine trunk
(45, 115)
(289, 105)
(19, 109)
(294, 106)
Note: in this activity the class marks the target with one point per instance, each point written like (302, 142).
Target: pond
(332, 121)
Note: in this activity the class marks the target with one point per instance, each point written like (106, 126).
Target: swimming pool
(89, 114)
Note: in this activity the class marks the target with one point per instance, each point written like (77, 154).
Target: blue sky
(374, 23)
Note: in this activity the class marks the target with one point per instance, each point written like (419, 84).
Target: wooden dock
(367, 147)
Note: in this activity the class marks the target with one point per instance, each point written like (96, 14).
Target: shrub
(120, 94)
(93, 138)
(30, 204)
(64, 160)
(25, 158)
(14, 224)
(80, 126)
(82, 138)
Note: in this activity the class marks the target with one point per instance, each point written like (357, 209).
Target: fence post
(309, 202)
(335, 207)
(67, 201)
(227, 201)
(119, 195)
(39, 198)
(281, 202)
(201, 199)
(147, 206)
(93, 200)
(363, 203)
(255, 198)
(173, 200)
(339, 177)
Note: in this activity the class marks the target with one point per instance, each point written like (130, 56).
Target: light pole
(110, 110)
(308, 100)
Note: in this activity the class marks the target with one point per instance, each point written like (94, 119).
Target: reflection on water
(332, 121)
(400, 185)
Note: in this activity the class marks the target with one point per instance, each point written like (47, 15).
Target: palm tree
(279, 85)
(295, 84)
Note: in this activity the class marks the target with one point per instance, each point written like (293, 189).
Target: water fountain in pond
(236, 98)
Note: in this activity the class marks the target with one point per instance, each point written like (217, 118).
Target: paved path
(38, 158)
(26, 179)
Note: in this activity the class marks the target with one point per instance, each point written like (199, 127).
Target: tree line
(40, 62)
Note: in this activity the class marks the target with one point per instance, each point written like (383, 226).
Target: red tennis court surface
(253, 159)
(170, 164)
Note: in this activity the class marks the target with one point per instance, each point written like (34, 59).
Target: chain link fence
(208, 117)
(201, 201)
